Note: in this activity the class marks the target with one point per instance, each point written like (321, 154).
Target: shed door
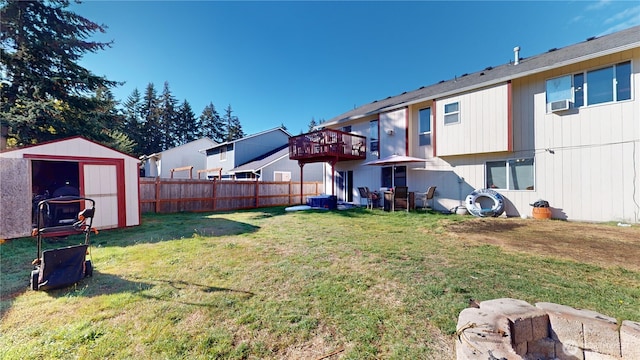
(101, 185)
(15, 198)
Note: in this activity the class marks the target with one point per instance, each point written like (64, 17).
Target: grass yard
(267, 284)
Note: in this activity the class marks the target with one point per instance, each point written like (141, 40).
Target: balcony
(327, 145)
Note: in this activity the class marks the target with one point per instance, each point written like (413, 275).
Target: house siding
(586, 160)
(592, 172)
(395, 143)
(185, 155)
(483, 125)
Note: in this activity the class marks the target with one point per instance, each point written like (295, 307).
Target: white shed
(109, 177)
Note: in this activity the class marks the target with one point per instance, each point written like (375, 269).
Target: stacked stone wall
(514, 329)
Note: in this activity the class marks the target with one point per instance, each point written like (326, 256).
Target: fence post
(214, 194)
(256, 196)
(157, 202)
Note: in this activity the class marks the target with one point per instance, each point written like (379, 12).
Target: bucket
(541, 213)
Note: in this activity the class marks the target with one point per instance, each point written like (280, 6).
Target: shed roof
(45, 144)
(591, 48)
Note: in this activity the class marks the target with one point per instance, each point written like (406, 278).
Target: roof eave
(487, 83)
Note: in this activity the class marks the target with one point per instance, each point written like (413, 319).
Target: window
(609, 84)
(516, 174)
(346, 128)
(393, 176)
(373, 136)
(452, 113)
(282, 176)
(424, 127)
(223, 153)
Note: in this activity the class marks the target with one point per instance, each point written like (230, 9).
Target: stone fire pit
(514, 329)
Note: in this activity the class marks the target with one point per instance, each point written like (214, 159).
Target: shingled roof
(554, 58)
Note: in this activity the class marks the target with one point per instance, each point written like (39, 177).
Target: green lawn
(267, 284)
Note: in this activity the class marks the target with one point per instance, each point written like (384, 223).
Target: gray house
(223, 158)
(276, 166)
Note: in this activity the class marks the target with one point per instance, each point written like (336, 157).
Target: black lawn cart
(59, 217)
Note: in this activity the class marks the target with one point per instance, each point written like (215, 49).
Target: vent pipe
(516, 54)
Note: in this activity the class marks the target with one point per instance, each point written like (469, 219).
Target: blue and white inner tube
(478, 201)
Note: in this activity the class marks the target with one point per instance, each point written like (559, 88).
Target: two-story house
(186, 155)
(563, 126)
(228, 156)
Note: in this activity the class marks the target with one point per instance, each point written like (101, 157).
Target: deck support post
(301, 164)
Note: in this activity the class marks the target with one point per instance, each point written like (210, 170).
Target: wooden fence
(176, 195)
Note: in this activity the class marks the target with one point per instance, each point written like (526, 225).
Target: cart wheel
(88, 268)
(35, 274)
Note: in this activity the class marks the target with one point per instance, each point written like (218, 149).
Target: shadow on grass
(179, 285)
(168, 227)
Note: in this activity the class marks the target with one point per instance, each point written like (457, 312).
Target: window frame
(508, 176)
(374, 141)
(424, 137)
(223, 153)
(578, 94)
(283, 174)
(450, 114)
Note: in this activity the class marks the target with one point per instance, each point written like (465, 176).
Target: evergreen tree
(312, 124)
(187, 129)
(151, 135)
(45, 94)
(211, 125)
(132, 126)
(234, 129)
(168, 118)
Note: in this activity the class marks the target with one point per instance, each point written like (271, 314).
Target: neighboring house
(276, 166)
(563, 126)
(189, 154)
(229, 155)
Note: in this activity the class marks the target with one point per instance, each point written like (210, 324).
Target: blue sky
(287, 62)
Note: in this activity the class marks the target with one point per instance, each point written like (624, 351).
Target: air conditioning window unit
(560, 105)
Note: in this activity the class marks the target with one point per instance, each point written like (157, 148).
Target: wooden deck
(327, 146)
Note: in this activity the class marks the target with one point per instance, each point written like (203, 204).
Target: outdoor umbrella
(393, 160)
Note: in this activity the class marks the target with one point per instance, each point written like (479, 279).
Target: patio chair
(429, 195)
(370, 197)
(401, 197)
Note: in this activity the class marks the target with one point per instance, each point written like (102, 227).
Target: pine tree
(312, 124)
(168, 118)
(132, 126)
(187, 129)
(234, 129)
(211, 124)
(45, 94)
(151, 135)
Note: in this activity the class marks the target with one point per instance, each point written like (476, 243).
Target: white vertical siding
(395, 143)
(483, 126)
(592, 174)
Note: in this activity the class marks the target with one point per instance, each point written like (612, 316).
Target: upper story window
(452, 113)
(608, 84)
(223, 153)
(374, 141)
(424, 127)
(346, 128)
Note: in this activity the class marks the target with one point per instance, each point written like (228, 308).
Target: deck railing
(327, 144)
